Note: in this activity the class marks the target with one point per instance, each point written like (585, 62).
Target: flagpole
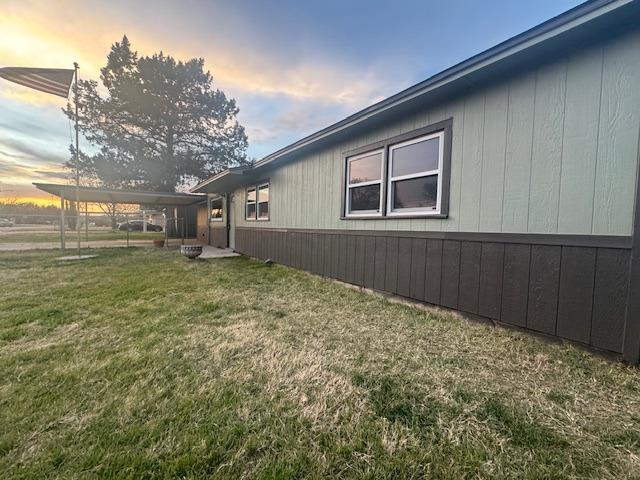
(75, 67)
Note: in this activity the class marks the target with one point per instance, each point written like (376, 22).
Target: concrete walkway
(214, 252)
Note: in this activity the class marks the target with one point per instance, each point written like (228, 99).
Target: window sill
(397, 217)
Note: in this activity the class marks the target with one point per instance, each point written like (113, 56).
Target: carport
(88, 195)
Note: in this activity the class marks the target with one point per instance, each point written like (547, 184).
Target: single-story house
(504, 187)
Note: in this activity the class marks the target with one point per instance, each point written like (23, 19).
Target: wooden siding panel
(610, 299)
(544, 279)
(328, 255)
(358, 276)
(314, 253)
(580, 142)
(575, 297)
(547, 148)
(351, 259)
(381, 259)
(418, 267)
(369, 261)
(391, 267)
(618, 138)
(342, 255)
(433, 272)
(337, 255)
(515, 284)
(450, 273)
(493, 158)
(470, 254)
(472, 145)
(491, 272)
(515, 208)
(404, 267)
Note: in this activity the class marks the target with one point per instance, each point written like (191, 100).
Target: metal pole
(126, 215)
(62, 243)
(86, 222)
(75, 66)
(166, 232)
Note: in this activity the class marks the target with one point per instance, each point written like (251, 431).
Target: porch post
(62, 243)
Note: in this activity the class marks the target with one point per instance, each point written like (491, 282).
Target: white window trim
(246, 204)
(426, 211)
(211, 219)
(348, 186)
(258, 217)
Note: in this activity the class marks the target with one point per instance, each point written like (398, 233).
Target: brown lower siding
(576, 289)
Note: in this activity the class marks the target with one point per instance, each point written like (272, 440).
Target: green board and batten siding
(552, 150)
(540, 232)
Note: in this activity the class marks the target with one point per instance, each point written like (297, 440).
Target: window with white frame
(263, 201)
(251, 204)
(257, 202)
(415, 176)
(215, 209)
(363, 196)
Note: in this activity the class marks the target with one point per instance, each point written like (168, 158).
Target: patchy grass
(141, 364)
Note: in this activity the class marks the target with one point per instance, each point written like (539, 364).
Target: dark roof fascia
(200, 188)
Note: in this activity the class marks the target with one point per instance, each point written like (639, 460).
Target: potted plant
(191, 251)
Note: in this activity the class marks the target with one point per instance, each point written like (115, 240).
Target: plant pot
(158, 243)
(191, 251)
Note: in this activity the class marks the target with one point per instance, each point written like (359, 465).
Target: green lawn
(141, 364)
(72, 236)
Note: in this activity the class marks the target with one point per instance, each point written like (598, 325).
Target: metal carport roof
(108, 195)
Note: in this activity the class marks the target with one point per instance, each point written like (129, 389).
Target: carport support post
(166, 232)
(62, 220)
(86, 222)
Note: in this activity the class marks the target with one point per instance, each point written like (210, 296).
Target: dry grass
(142, 364)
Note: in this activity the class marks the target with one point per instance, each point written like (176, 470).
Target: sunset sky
(293, 66)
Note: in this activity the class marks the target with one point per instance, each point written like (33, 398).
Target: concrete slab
(214, 252)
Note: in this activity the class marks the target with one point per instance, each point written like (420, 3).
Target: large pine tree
(160, 124)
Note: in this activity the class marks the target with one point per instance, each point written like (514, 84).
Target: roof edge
(570, 19)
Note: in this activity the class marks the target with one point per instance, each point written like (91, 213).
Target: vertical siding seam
(595, 276)
(499, 314)
(593, 293)
(484, 122)
(595, 173)
(555, 327)
(564, 118)
(504, 165)
(526, 311)
(459, 274)
(479, 280)
(533, 132)
(504, 254)
(464, 112)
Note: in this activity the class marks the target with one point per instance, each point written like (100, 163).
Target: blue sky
(292, 66)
